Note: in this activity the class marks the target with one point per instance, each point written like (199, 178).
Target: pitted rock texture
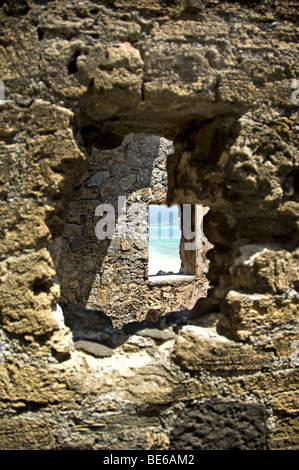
(214, 77)
(220, 426)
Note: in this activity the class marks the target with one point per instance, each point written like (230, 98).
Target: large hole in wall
(104, 272)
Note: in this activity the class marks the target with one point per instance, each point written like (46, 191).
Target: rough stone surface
(220, 426)
(196, 349)
(215, 78)
(19, 434)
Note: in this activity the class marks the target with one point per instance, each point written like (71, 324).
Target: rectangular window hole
(164, 259)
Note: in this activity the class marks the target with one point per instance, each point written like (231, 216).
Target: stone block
(21, 434)
(220, 425)
(200, 348)
(95, 349)
(247, 316)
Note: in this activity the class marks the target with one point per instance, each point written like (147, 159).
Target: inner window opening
(175, 236)
(164, 240)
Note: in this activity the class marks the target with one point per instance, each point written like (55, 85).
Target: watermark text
(131, 221)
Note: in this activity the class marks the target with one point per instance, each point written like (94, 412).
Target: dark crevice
(94, 136)
(40, 33)
(16, 7)
(42, 285)
(72, 66)
(142, 90)
(295, 175)
(31, 406)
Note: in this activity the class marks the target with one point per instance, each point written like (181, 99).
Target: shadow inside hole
(42, 285)
(72, 65)
(94, 334)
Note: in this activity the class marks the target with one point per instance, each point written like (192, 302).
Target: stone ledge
(171, 278)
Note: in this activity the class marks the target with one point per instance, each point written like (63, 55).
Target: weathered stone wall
(111, 274)
(215, 78)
